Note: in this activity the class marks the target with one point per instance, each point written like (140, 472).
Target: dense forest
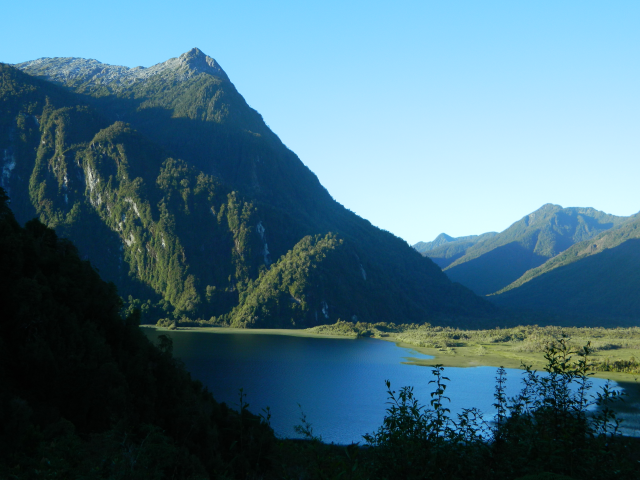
(167, 185)
(83, 394)
(594, 278)
(179, 193)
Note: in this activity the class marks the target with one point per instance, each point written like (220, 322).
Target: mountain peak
(198, 62)
(194, 54)
(88, 72)
(443, 237)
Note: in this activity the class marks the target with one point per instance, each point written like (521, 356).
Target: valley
(174, 247)
(566, 266)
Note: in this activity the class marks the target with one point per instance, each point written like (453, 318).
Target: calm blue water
(339, 383)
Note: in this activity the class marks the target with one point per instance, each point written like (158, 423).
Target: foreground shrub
(554, 427)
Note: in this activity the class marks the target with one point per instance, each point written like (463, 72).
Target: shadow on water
(338, 383)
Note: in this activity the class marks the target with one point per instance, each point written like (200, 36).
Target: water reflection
(339, 383)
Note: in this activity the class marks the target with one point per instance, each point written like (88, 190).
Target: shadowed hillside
(492, 263)
(598, 278)
(83, 394)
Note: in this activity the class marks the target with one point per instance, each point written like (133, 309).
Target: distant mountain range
(445, 250)
(179, 193)
(559, 261)
(599, 277)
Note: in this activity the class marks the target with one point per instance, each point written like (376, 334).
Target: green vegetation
(575, 264)
(281, 296)
(602, 286)
(597, 278)
(176, 190)
(621, 366)
(607, 240)
(545, 432)
(544, 429)
(445, 250)
(612, 349)
(489, 264)
(85, 395)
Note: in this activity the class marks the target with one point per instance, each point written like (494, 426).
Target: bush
(547, 431)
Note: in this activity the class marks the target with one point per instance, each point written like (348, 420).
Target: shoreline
(464, 360)
(628, 410)
(291, 332)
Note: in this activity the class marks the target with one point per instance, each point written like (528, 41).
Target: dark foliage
(83, 394)
(547, 431)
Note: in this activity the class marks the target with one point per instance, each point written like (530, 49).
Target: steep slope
(494, 263)
(197, 115)
(191, 200)
(445, 250)
(84, 394)
(598, 277)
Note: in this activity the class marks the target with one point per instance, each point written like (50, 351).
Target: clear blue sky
(421, 116)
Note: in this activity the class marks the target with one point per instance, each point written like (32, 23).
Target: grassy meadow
(614, 350)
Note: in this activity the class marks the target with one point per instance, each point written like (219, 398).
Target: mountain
(441, 239)
(444, 239)
(445, 250)
(84, 394)
(494, 262)
(599, 277)
(178, 192)
(91, 75)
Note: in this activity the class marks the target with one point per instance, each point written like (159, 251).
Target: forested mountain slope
(179, 193)
(599, 277)
(83, 393)
(441, 239)
(491, 264)
(445, 250)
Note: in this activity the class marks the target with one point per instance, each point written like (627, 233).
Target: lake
(339, 383)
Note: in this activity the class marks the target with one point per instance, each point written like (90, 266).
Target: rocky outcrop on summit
(87, 72)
